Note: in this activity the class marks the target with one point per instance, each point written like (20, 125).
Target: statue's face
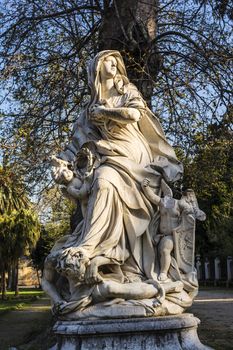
(62, 174)
(68, 175)
(108, 69)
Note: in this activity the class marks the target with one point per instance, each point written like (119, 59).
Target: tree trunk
(9, 281)
(14, 279)
(3, 282)
(130, 26)
(13, 276)
(17, 278)
(38, 278)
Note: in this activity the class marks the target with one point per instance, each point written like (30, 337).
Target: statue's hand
(97, 112)
(92, 276)
(145, 183)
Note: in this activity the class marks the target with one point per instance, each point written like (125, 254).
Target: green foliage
(210, 174)
(56, 212)
(48, 236)
(19, 231)
(12, 191)
(19, 225)
(181, 56)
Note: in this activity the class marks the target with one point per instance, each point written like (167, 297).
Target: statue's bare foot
(162, 277)
(178, 286)
(172, 287)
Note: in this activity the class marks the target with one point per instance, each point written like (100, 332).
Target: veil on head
(94, 80)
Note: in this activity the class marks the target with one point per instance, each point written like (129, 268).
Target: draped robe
(120, 221)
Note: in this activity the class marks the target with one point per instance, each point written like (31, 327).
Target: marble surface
(161, 333)
(132, 251)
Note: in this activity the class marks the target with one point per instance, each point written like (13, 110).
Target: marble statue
(132, 253)
(173, 212)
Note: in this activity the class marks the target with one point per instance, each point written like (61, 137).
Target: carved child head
(60, 170)
(72, 264)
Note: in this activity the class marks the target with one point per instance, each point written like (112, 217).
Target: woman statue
(111, 257)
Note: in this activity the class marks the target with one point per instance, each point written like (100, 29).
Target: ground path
(214, 307)
(23, 326)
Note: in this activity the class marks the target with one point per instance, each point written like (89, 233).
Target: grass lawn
(25, 297)
(27, 292)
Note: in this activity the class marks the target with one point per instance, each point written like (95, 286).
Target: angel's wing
(166, 190)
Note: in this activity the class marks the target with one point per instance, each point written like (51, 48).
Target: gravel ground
(214, 308)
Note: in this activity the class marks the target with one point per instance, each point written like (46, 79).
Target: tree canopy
(210, 174)
(177, 52)
(19, 225)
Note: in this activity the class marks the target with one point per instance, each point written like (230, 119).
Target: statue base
(151, 333)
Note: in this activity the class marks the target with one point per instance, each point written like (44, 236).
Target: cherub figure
(171, 211)
(63, 175)
(77, 182)
(70, 262)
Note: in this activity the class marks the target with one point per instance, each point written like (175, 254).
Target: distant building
(28, 275)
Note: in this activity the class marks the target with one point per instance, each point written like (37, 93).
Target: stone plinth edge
(154, 333)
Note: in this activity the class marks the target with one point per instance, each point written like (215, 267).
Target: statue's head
(108, 68)
(72, 265)
(61, 172)
(105, 65)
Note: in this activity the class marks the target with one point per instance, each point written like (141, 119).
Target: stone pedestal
(160, 333)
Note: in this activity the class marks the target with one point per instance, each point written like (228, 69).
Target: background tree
(210, 174)
(55, 213)
(47, 238)
(19, 226)
(178, 53)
